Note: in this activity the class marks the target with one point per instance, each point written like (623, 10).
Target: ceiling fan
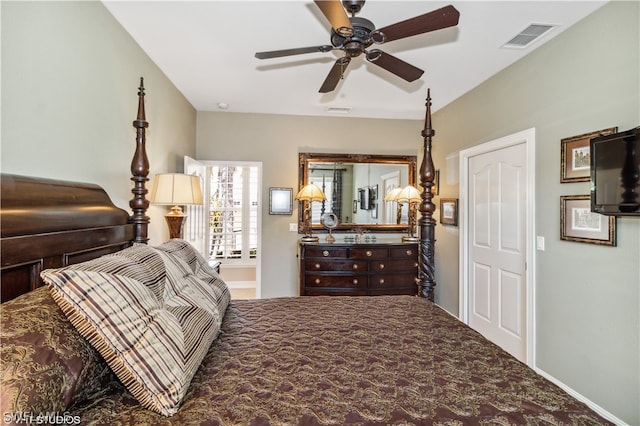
(354, 35)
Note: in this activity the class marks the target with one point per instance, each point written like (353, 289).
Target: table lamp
(410, 195)
(309, 193)
(175, 189)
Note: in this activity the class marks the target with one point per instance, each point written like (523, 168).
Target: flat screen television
(615, 173)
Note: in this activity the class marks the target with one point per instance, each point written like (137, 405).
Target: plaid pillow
(154, 344)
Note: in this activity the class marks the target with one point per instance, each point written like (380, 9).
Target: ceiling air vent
(528, 36)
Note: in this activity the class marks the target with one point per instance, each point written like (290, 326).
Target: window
(233, 213)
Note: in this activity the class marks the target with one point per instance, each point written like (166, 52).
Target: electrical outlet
(293, 227)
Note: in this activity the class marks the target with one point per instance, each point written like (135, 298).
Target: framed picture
(281, 201)
(449, 211)
(578, 223)
(575, 157)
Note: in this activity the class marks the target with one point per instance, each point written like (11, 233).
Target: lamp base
(410, 239)
(176, 223)
(309, 239)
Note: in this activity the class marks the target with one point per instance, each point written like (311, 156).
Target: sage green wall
(70, 75)
(276, 140)
(587, 296)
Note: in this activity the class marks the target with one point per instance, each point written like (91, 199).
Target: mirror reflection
(355, 187)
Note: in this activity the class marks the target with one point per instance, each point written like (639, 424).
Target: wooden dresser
(358, 269)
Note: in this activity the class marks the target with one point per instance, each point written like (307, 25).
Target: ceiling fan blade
(394, 65)
(336, 73)
(444, 17)
(289, 52)
(336, 15)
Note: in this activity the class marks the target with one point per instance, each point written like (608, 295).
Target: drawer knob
(325, 253)
(317, 266)
(415, 265)
(382, 266)
(369, 253)
(317, 280)
(409, 252)
(355, 281)
(355, 266)
(381, 280)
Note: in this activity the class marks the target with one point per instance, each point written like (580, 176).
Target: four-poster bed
(294, 360)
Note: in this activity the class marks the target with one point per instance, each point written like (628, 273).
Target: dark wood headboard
(46, 223)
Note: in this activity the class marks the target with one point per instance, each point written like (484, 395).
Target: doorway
(497, 220)
(227, 228)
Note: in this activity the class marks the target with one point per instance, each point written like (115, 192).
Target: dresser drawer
(337, 292)
(410, 252)
(325, 252)
(337, 281)
(392, 280)
(368, 253)
(318, 265)
(391, 265)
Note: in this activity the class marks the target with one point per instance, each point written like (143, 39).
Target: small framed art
(578, 223)
(281, 201)
(449, 211)
(575, 157)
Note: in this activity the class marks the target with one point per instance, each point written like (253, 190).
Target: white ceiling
(207, 50)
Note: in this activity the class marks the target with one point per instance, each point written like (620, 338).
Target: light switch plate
(540, 243)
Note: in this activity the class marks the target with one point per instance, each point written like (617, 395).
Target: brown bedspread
(360, 360)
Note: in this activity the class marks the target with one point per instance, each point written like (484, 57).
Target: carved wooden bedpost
(426, 223)
(140, 170)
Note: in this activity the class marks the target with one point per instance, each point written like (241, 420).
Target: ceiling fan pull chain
(344, 61)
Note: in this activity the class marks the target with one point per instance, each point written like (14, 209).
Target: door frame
(528, 137)
(202, 241)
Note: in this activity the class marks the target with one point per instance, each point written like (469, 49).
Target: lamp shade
(393, 194)
(176, 189)
(409, 194)
(311, 192)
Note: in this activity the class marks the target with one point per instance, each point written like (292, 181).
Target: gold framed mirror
(355, 186)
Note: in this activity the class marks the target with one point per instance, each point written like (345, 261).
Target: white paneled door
(496, 220)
